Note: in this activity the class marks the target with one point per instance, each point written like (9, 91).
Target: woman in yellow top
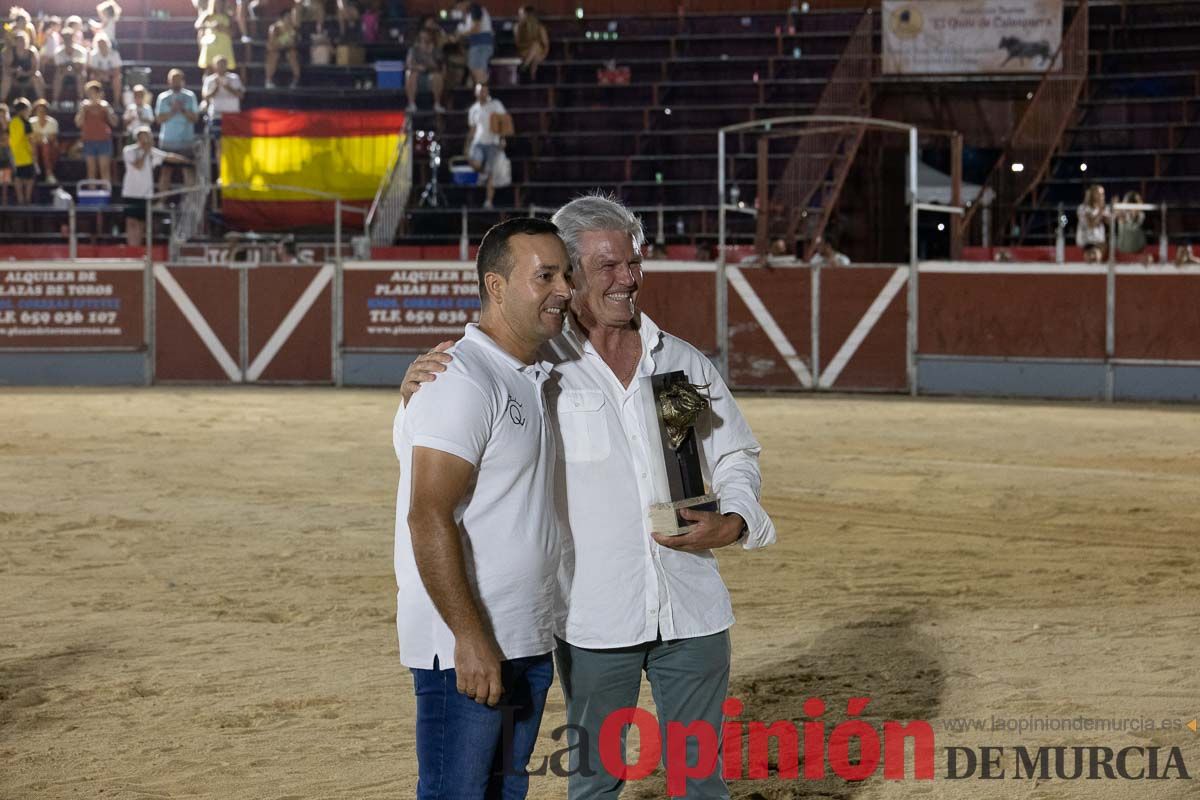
(20, 144)
(533, 41)
(213, 28)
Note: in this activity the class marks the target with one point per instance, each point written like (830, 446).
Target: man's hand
(477, 667)
(424, 369)
(712, 530)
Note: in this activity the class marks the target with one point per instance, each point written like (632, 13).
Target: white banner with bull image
(964, 36)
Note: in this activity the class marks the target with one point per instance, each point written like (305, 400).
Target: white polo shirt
(139, 182)
(488, 409)
(622, 588)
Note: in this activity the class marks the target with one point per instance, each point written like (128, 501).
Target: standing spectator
(20, 69)
(222, 91)
(214, 31)
(475, 31)
(282, 37)
(1131, 236)
(96, 119)
(424, 70)
(49, 42)
(483, 144)
(533, 40)
(138, 112)
(827, 255)
(70, 62)
(1185, 256)
(104, 66)
(109, 13)
(20, 144)
(1091, 232)
(6, 173)
(372, 19)
(348, 15)
(45, 140)
(177, 111)
(140, 159)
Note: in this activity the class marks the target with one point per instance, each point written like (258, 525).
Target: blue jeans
(472, 751)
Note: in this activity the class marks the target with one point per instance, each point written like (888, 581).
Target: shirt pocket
(583, 425)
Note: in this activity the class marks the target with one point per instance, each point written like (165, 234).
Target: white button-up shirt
(488, 409)
(621, 587)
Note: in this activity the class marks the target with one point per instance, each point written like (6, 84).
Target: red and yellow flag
(267, 154)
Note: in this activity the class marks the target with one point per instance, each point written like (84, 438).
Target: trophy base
(665, 520)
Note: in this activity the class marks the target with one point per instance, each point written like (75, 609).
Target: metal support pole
(913, 264)
(722, 278)
(1164, 251)
(243, 317)
(1060, 236)
(814, 321)
(464, 243)
(985, 221)
(149, 288)
(660, 238)
(956, 220)
(72, 231)
(1110, 306)
(338, 320)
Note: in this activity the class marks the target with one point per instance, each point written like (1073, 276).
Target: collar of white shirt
(474, 333)
(652, 337)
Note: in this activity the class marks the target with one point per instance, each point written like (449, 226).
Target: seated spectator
(109, 13)
(1131, 236)
(213, 30)
(424, 70)
(1091, 232)
(96, 120)
(138, 112)
(176, 110)
(348, 16)
(20, 69)
(372, 20)
(533, 40)
(483, 144)
(222, 91)
(283, 38)
(104, 66)
(20, 144)
(70, 62)
(49, 42)
(1184, 256)
(45, 140)
(6, 172)
(475, 31)
(137, 187)
(827, 255)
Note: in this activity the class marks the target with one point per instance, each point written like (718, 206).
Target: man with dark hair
(477, 543)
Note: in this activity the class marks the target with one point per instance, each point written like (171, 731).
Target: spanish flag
(269, 153)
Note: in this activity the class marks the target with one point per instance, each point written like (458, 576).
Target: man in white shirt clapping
(477, 540)
(635, 601)
(222, 90)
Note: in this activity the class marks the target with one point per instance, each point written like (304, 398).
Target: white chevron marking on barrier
(769, 326)
(849, 347)
(198, 322)
(289, 323)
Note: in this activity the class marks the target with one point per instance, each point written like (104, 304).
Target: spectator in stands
(45, 140)
(20, 68)
(348, 17)
(49, 42)
(140, 159)
(827, 255)
(70, 62)
(138, 112)
(282, 37)
(1131, 236)
(96, 119)
(104, 66)
(1091, 232)
(533, 40)
(475, 31)
(176, 111)
(19, 20)
(372, 20)
(424, 70)
(6, 172)
(483, 144)
(222, 91)
(213, 30)
(1184, 256)
(20, 144)
(109, 13)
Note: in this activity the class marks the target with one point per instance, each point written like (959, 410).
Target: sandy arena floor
(196, 591)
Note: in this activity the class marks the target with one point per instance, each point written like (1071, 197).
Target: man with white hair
(634, 601)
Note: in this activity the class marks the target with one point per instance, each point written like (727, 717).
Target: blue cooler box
(93, 193)
(389, 74)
